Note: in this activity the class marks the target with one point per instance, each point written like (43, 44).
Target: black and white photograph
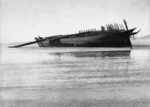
(74, 53)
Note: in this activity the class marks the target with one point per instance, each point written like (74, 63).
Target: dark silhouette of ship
(112, 35)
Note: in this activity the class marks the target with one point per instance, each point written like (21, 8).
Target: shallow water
(33, 76)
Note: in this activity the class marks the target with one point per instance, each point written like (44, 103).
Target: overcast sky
(22, 20)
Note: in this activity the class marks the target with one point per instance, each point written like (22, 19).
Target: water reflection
(96, 54)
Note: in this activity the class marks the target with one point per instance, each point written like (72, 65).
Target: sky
(22, 20)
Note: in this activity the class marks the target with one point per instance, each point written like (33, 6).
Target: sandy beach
(50, 77)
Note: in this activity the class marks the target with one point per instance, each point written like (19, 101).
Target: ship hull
(111, 35)
(116, 39)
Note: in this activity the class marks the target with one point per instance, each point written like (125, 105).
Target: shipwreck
(110, 35)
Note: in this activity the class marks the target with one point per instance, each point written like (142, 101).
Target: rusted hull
(117, 39)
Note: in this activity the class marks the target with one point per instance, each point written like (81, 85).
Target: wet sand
(78, 77)
(79, 103)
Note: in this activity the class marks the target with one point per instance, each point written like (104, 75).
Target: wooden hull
(116, 39)
(113, 35)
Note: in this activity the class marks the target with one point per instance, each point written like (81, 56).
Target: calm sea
(74, 77)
